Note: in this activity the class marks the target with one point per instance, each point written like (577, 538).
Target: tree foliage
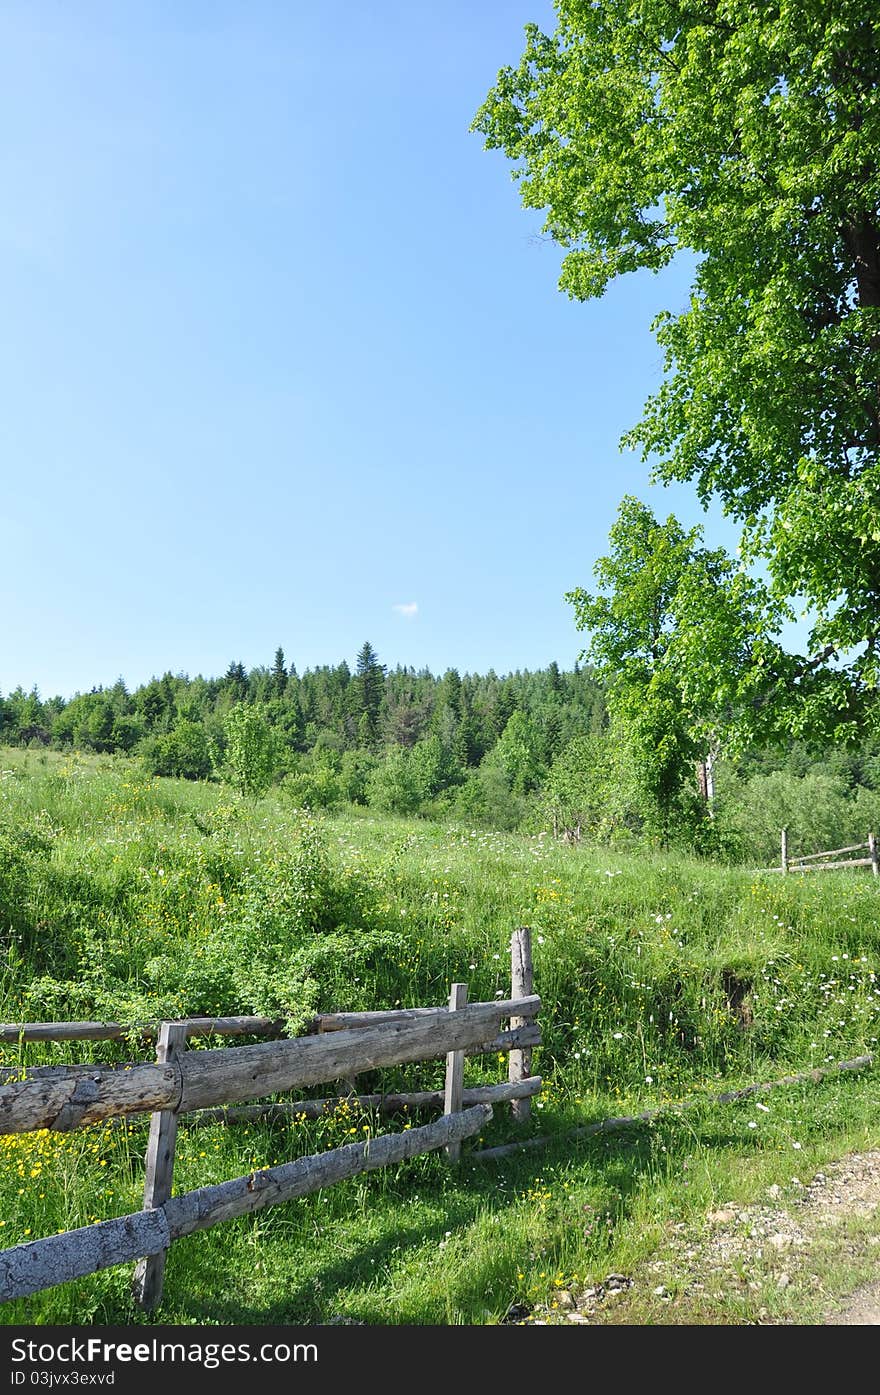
(368, 691)
(747, 136)
(251, 756)
(635, 622)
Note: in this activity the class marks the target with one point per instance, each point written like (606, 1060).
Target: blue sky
(283, 360)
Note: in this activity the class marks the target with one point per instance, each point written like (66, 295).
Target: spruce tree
(369, 691)
(279, 673)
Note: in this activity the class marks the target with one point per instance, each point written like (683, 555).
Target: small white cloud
(408, 609)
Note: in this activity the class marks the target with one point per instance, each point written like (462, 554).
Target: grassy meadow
(663, 980)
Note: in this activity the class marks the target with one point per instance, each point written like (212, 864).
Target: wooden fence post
(452, 1094)
(785, 850)
(872, 849)
(149, 1273)
(521, 978)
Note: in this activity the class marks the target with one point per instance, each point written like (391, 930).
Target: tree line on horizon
(533, 749)
(335, 728)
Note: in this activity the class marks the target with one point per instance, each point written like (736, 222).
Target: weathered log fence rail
(64, 1098)
(817, 862)
(115, 1031)
(204, 1083)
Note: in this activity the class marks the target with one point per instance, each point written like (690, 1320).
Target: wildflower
(752, 1124)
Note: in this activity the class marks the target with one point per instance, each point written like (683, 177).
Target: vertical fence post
(452, 1094)
(785, 849)
(521, 986)
(872, 849)
(149, 1272)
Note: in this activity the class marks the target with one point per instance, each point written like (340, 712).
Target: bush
(393, 787)
(318, 788)
(486, 799)
(184, 752)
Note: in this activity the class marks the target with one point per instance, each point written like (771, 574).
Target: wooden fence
(817, 862)
(339, 1047)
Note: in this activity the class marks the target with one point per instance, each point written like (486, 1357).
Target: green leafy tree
(518, 752)
(251, 756)
(745, 136)
(433, 766)
(486, 798)
(127, 732)
(354, 772)
(815, 809)
(591, 790)
(87, 721)
(633, 623)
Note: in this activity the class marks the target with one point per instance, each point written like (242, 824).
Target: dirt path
(808, 1254)
(852, 1188)
(861, 1308)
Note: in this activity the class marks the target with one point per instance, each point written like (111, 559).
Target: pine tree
(279, 673)
(369, 690)
(505, 706)
(236, 680)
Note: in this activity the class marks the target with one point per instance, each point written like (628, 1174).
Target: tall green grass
(662, 979)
